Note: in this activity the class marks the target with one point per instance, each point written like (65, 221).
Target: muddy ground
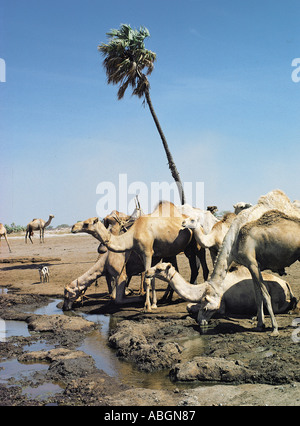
(240, 365)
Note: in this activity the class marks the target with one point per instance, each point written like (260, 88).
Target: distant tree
(14, 228)
(125, 58)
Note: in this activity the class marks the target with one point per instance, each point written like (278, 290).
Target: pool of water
(94, 344)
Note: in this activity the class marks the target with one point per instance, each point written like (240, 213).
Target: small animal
(44, 274)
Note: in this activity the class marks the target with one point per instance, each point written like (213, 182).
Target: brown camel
(158, 234)
(35, 225)
(118, 268)
(3, 233)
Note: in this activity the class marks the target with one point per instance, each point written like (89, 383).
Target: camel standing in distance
(239, 296)
(3, 233)
(35, 225)
(210, 302)
(158, 234)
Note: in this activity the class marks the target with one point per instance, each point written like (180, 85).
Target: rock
(210, 369)
(55, 323)
(135, 342)
(64, 363)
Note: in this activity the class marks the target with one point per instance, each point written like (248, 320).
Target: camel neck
(224, 258)
(116, 243)
(48, 221)
(187, 291)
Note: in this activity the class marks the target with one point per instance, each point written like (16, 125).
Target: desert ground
(240, 365)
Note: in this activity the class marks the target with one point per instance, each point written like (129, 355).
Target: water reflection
(96, 345)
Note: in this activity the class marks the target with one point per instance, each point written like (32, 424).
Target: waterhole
(95, 344)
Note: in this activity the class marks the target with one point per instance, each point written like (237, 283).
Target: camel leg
(30, 238)
(263, 298)
(7, 242)
(108, 282)
(202, 258)
(142, 290)
(154, 299)
(5, 236)
(169, 291)
(147, 263)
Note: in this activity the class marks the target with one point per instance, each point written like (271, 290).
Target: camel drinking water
(239, 295)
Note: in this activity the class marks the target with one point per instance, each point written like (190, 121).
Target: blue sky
(221, 87)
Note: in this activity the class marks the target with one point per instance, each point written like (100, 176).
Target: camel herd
(242, 245)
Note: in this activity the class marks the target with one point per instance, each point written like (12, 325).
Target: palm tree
(125, 58)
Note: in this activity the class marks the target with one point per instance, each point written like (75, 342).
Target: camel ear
(209, 299)
(168, 266)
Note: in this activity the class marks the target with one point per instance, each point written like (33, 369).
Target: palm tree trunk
(171, 163)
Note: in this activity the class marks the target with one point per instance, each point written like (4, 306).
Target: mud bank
(253, 364)
(239, 365)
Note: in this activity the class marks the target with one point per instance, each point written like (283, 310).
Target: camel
(239, 296)
(238, 207)
(158, 234)
(211, 299)
(270, 242)
(35, 225)
(205, 218)
(3, 233)
(213, 240)
(116, 267)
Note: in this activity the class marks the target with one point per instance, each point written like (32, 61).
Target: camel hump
(166, 209)
(273, 216)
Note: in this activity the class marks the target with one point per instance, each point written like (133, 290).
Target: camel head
(72, 294)
(191, 222)
(161, 270)
(209, 304)
(238, 207)
(85, 226)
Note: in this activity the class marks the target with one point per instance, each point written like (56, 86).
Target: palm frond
(126, 58)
